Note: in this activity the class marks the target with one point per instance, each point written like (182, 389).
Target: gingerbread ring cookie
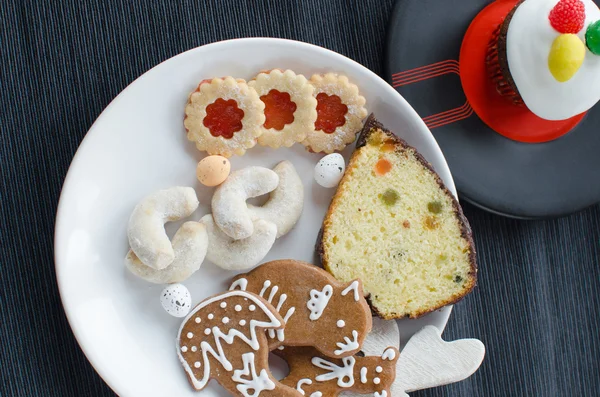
(229, 207)
(313, 374)
(290, 107)
(224, 117)
(146, 232)
(231, 254)
(319, 310)
(224, 338)
(340, 111)
(189, 245)
(285, 203)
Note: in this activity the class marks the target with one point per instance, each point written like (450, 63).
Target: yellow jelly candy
(566, 56)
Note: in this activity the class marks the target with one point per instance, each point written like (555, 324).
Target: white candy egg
(329, 170)
(176, 300)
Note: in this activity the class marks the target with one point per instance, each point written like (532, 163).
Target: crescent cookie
(290, 107)
(224, 116)
(340, 111)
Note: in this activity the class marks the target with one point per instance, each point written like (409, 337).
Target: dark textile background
(536, 307)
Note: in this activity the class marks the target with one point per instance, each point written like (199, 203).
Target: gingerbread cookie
(224, 116)
(223, 338)
(313, 374)
(340, 111)
(290, 107)
(318, 310)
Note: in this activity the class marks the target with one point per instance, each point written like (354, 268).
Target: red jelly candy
(279, 109)
(331, 113)
(223, 118)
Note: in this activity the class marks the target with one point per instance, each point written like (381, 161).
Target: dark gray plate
(510, 178)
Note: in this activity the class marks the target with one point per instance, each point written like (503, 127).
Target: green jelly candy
(389, 197)
(592, 38)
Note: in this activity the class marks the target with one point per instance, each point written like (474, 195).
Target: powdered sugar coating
(285, 204)
(230, 211)
(231, 254)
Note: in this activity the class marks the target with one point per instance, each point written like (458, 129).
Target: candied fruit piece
(279, 109)
(435, 207)
(431, 223)
(406, 224)
(390, 197)
(223, 118)
(592, 38)
(331, 113)
(382, 167)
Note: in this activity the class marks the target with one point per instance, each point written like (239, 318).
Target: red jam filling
(331, 113)
(279, 109)
(223, 118)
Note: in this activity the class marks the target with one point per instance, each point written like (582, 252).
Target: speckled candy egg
(213, 170)
(176, 300)
(329, 170)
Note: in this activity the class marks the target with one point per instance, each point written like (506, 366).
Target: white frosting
(389, 354)
(241, 284)
(348, 344)
(352, 287)
(318, 301)
(379, 370)
(343, 374)
(382, 394)
(280, 333)
(303, 382)
(258, 381)
(363, 375)
(316, 394)
(340, 323)
(223, 305)
(376, 381)
(529, 39)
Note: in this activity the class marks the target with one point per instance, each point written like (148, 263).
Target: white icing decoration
(190, 335)
(341, 323)
(266, 285)
(281, 332)
(281, 348)
(363, 375)
(242, 322)
(352, 287)
(197, 364)
(252, 308)
(379, 369)
(348, 344)
(207, 331)
(238, 308)
(316, 394)
(376, 381)
(225, 320)
(240, 284)
(318, 301)
(251, 340)
(389, 354)
(335, 371)
(302, 382)
(257, 382)
(194, 348)
(382, 394)
(184, 349)
(528, 41)
(198, 320)
(273, 292)
(211, 316)
(223, 305)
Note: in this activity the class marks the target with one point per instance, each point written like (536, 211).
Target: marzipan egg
(176, 300)
(213, 170)
(329, 170)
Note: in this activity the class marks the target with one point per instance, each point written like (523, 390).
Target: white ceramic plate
(137, 146)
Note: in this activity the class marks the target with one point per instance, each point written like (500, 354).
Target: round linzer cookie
(313, 374)
(223, 338)
(290, 107)
(318, 310)
(340, 111)
(224, 117)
